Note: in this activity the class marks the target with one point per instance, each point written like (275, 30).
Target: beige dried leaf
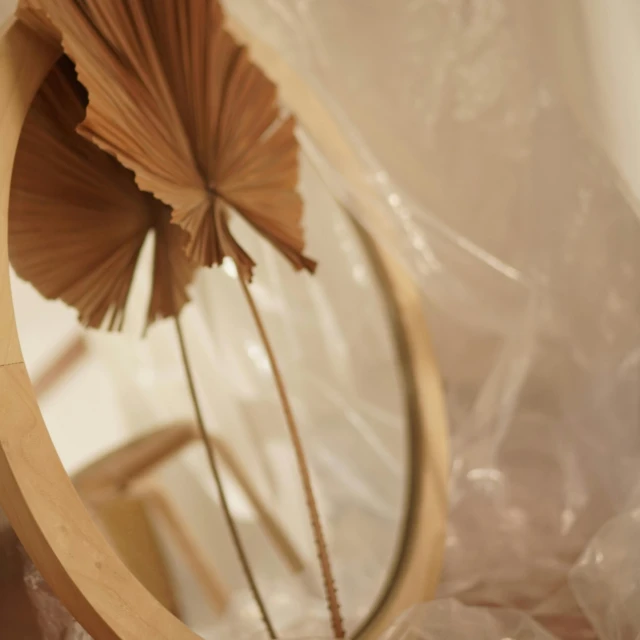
(34, 15)
(178, 102)
(78, 221)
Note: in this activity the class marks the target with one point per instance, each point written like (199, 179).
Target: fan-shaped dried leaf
(32, 13)
(78, 221)
(178, 102)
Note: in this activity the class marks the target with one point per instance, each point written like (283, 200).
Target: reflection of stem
(272, 527)
(242, 555)
(321, 545)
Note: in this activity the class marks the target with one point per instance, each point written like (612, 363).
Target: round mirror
(353, 355)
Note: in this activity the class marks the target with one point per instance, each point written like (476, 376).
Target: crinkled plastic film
(605, 580)
(448, 619)
(470, 121)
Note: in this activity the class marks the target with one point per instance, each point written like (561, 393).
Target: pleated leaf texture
(178, 102)
(77, 220)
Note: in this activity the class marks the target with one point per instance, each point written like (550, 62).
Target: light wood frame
(35, 490)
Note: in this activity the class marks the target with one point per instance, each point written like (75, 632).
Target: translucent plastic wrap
(471, 122)
(474, 121)
(606, 581)
(450, 620)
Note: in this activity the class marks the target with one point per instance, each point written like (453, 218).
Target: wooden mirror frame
(35, 491)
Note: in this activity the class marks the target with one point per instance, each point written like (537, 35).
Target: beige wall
(6, 7)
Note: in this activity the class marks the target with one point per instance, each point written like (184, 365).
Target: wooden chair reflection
(128, 505)
(116, 487)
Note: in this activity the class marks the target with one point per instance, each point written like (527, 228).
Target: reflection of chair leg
(130, 465)
(205, 574)
(64, 362)
(272, 527)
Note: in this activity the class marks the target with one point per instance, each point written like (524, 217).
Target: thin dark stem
(237, 541)
(303, 467)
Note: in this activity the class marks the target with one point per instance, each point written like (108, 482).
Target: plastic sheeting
(450, 620)
(606, 581)
(474, 119)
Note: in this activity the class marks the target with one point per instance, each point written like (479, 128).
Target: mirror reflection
(119, 411)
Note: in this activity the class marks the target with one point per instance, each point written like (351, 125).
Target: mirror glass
(334, 339)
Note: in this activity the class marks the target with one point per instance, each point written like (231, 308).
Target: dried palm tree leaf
(178, 102)
(78, 221)
(33, 14)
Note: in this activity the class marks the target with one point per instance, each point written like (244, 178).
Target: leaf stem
(331, 594)
(211, 456)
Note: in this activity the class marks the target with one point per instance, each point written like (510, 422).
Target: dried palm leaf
(34, 15)
(77, 224)
(178, 102)
(78, 221)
